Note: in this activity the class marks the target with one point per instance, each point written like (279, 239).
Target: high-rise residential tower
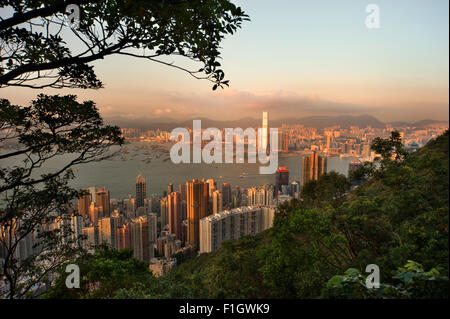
(174, 212)
(102, 201)
(313, 166)
(216, 202)
(197, 208)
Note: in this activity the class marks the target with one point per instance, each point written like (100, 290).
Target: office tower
(313, 166)
(295, 189)
(170, 188)
(83, 204)
(174, 211)
(197, 208)
(141, 191)
(93, 213)
(107, 229)
(265, 132)
(281, 178)
(226, 196)
(217, 202)
(102, 201)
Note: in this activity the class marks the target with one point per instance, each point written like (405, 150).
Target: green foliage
(408, 282)
(51, 127)
(399, 214)
(111, 273)
(330, 189)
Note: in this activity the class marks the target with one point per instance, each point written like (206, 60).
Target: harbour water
(118, 174)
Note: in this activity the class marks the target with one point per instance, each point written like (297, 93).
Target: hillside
(400, 214)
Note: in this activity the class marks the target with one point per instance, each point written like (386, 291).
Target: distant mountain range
(310, 121)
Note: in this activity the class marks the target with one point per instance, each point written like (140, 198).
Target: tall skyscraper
(141, 191)
(93, 213)
(226, 196)
(264, 138)
(107, 228)
(83, 205)
(313, 166)
(102, 201)
(197, 208)
(175, 219)
(217, 202)
(164, 212)
(170, 188)
(281, 178)
(143, 237)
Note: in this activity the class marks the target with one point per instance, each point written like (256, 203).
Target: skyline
(337, 66)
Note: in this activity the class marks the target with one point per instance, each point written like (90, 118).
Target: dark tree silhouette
(40, 47)
(33, 199)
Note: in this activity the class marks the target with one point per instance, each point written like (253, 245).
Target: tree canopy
(41, 46)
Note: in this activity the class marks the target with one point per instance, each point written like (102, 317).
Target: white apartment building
(233, 224)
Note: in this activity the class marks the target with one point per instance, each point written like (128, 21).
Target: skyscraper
(102, 201)
(226, 195)
(264, 138)
(141, 191)
(83, 204)
(312, 167)
(143, 237)
(108, 231)
(174, 212)
(217, 202)
(197, 208)
(281, 178)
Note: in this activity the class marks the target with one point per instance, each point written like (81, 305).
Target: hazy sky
(297, 58)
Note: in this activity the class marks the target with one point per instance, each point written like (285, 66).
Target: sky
(296, 58)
